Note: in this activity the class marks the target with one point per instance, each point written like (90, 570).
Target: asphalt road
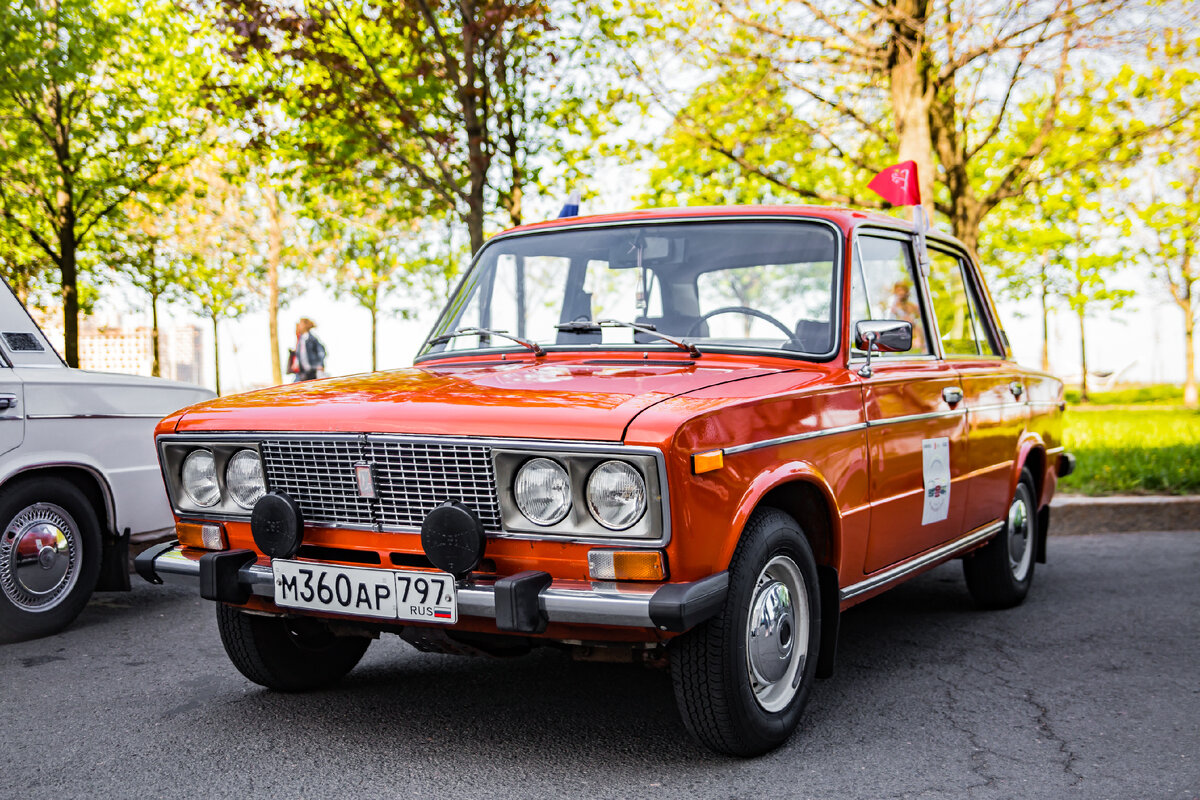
(1091, 689)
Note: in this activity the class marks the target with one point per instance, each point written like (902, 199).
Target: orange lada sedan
(692, 435)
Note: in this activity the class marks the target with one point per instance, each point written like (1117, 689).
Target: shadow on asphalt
(511, 713)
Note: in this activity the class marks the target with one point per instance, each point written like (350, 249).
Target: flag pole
(921, 225)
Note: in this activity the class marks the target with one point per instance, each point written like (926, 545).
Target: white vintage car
(79, 476)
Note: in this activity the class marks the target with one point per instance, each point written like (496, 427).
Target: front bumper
(522, 603)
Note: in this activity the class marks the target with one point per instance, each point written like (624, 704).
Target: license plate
(382, 593)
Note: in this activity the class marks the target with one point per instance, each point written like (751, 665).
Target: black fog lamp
(453, 538)
(277, 525)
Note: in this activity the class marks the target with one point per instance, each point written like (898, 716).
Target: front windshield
(719, 285)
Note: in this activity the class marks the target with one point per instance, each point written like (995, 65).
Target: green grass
(1143, 451)
(1132, 395)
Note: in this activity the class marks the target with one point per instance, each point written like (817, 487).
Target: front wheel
(289, 654)
(742, 678)
(49, 557)
(1000, 573)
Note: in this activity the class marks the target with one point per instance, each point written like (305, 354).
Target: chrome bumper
(668, 607)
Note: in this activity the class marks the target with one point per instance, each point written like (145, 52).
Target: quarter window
(960, 325)
(883, 286)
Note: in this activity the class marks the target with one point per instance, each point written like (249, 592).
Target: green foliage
(464, 105)
(212, 233)
(384, 258)
(1159, 393)
(1148, 451)
(98, 99)
(1165, 217)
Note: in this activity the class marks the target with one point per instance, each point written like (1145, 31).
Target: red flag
(898, 184)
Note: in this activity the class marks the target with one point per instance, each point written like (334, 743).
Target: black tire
(289, 654)
(50, 552)
(724, 706)
(1000, 573)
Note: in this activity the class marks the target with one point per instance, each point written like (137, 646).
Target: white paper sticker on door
(935, 458)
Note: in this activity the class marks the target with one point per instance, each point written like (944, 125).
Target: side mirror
(883, 336)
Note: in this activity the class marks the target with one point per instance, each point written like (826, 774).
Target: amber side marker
(707, 462)
(205, 536)
(620, 565)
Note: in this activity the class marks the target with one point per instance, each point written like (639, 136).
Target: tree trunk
(1189, 353)
(216, 356)
(1083, 381)
(155, 367)
(1045, 299)
(274, 261)
(469, 99)
(912, 92)
(70, 288)
(374, 336)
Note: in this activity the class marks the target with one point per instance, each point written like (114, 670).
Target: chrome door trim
(997, 406)
(952, 412)
(920, 562)
(798, 437)
(95, 416)
(871, 423)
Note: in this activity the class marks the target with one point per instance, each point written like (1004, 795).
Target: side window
(959, 325)
(883, 286)
(986, 345)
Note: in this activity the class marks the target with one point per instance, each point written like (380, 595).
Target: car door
(12, 405)
(993, 393)
(916, 428)
(22, 344)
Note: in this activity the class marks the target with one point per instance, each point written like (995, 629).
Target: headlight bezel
(617, 464)
(535, 462)
(262, 478)
(192, 457)
(172, 453)
(652, 528)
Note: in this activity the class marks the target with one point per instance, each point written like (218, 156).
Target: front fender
(791, 472)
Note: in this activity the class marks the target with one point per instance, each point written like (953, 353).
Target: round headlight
(543, 491)
(616, 495)
(200, 478)
(244, 478)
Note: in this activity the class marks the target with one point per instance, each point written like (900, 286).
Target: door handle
(1017, 389)
(952, 395)
(8, 401)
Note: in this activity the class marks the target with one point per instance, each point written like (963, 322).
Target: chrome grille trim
(319, 475)
(412, 477)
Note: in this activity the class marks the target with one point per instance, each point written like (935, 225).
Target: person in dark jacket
(307, 361)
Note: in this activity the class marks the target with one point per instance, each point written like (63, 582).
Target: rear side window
(883, 286)
(960, 327)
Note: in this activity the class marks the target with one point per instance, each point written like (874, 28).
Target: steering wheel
(750, 312)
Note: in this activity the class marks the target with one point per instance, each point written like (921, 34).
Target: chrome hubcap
(777, 633)
(39, 557)
(1020, 550)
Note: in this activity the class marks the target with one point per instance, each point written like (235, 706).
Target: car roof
(847, 217)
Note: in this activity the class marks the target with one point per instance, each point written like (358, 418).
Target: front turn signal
(621, 565)
(206, 536)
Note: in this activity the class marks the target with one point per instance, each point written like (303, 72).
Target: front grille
(411, 479)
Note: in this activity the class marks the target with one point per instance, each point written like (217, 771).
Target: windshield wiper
(593, 325)
(481, 332)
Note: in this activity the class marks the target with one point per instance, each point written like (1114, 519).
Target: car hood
(592, 401)
(52, 391)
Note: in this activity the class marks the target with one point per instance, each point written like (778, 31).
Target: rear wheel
(49, 557)
(742, 678)
(1000, 573)
(289, 654)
